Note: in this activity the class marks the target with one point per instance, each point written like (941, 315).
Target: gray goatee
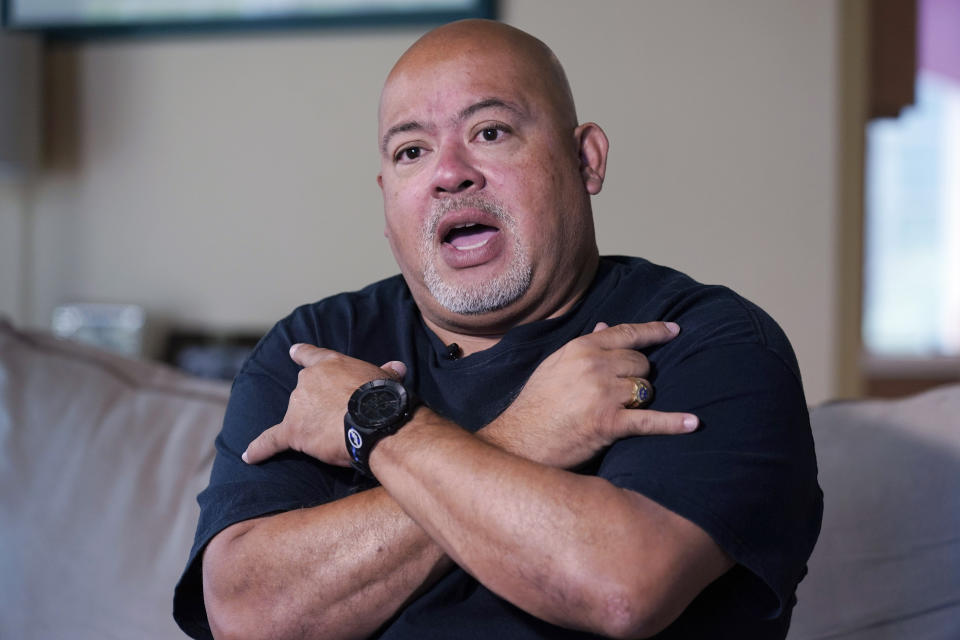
(481, 297)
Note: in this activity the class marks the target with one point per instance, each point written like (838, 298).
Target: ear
(593, 145)
(386, 227)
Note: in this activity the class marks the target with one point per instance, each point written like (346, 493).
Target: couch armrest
(101, 459)
(887, 564)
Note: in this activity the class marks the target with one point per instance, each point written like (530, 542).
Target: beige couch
(101, 459)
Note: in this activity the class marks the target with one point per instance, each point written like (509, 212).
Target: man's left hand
(313, 423)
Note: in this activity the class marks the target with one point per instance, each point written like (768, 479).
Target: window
(912, 234)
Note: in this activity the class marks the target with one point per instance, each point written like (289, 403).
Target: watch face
(378, 403)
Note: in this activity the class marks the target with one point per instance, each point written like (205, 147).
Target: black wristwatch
(376, 410)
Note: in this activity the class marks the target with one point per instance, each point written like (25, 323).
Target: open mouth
(469, 235)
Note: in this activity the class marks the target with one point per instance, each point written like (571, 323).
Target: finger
(307, 355)
(627, 363)
(396, 369)
(635, 335)
(644, 422)
(267, 444)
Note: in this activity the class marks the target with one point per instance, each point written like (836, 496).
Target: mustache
(440, 208)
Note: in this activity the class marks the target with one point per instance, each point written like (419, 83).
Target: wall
(12, 255)
(723, 123)
(19, 151)
(222, 180)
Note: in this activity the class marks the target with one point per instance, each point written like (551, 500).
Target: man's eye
(490, 134)
(410, 153)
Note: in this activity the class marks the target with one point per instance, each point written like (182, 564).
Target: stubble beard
(481, 297)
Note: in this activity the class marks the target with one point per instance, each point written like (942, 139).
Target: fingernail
(293, 349)
(672, 327)
(600, 326)
(690, 423)
(243, 456)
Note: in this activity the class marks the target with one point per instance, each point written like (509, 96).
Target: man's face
(485, 206)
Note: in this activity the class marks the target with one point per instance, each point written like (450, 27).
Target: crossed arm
(573, 550)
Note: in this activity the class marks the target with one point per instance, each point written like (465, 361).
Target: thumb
(265, 445)
(307, 355)
(395, 369)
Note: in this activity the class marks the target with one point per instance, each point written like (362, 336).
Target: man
(527, 493)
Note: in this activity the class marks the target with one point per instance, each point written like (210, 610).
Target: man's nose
(456, 173)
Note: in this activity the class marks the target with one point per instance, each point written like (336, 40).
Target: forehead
(439, 89)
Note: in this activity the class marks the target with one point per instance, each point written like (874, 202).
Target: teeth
(467, 225)
(472, 246)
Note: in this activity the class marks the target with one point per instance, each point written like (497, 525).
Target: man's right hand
(574, 404)
(313, 423)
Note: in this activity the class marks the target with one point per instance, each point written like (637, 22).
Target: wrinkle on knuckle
(628, 331)
(327, 356)
(606, 418)
(640, 363)
(591, 364)
(595, 389)
(645, 422)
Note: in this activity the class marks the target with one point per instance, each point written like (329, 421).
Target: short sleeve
(238, 491)
(747, 476)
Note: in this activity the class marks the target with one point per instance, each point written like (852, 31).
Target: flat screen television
(84, 18)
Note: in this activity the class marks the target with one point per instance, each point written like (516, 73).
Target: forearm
(338, 570)
(563, 547)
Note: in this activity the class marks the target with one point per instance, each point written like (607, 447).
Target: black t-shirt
(747, 476)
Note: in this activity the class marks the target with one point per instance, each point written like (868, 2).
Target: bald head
(472, 40)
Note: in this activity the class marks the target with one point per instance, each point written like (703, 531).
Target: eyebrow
(487, 103)
(413, 125)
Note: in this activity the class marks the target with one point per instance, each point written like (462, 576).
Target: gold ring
(642, 394)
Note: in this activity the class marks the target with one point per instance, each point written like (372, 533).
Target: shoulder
(710, 315)
(335, 322)
(328, 317)
(329, 321)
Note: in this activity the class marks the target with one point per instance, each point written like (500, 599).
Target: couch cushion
(101, 458)
(887, 564)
